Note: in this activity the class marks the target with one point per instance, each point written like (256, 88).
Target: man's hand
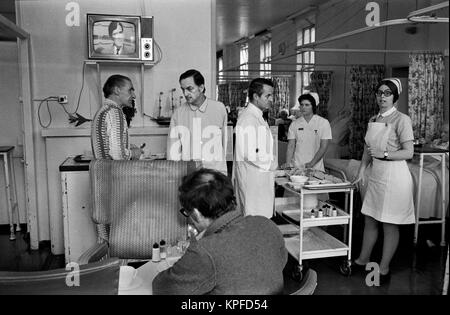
(310, 164)
(136, 152)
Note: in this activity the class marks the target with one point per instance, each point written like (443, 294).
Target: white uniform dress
(307, 136)
(389, 193)
(254, 163)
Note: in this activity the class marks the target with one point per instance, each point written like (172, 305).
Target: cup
(126, 276)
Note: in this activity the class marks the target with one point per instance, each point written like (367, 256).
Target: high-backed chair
(96, 278)
(135, 205)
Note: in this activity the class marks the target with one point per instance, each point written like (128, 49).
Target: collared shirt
(386, 113)
(109, 133)
(401, 128)
(199, 133)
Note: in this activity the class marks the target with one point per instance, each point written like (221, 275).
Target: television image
(114, 37)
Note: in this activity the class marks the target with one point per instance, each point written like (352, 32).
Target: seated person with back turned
(234, 255)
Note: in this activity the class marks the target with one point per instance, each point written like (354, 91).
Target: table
(11, 198)
(430, 151)
(146, 273)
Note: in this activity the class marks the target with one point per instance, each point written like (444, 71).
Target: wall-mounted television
(120, 37)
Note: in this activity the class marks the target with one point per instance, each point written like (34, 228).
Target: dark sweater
(237, 255)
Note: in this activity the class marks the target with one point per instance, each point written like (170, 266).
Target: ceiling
(242, 18)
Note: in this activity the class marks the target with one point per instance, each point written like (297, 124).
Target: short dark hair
(209, 191)
(113, 25)
(257, 86)
(391, 86)
(310, 98)
(113, 81)
(196, 75)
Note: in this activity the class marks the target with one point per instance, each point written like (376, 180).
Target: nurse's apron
(255, 187)
(389, 193)
(306, 146)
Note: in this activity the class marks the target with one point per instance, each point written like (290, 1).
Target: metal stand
(11, 198)
(422, 153)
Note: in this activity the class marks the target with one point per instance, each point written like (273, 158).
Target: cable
(159, 52)
(50, 98)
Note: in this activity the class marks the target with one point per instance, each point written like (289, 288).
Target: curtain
(280, 97)
(233, 94)
(426, 94)
(321, 84)
(362, 83)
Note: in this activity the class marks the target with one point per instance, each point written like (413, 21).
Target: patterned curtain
(223, 94)
(321, 84)
(233, 94)
(426, 94)
(363, 80)
(280, 97)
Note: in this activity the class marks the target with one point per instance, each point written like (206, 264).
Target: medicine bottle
(156, 253)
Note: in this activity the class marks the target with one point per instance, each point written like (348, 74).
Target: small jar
(320, 214)
(334, 212)
(156, 255)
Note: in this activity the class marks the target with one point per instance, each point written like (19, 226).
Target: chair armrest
(93, 254)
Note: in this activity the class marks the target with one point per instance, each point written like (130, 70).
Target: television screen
(113, 37)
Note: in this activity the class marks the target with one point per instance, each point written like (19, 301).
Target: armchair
(134, 205)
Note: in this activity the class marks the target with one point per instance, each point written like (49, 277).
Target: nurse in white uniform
(308, 135)
(389, 187)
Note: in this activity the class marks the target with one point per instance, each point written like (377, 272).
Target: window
(243, 60)
(305, 59)
(264, 56)
(220, 74)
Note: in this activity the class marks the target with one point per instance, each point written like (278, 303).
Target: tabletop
(142, 284)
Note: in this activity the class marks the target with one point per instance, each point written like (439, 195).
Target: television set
(120, 37)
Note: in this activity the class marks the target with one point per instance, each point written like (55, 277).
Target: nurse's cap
(315, 96)
(397, 83)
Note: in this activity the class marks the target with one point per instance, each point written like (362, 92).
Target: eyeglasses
(386, 93)
(185, 212)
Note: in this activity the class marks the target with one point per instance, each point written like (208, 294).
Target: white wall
(11, 124)
(181, 28)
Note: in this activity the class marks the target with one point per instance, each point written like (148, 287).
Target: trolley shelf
(291, 213)
(316, 244)
(315, 241)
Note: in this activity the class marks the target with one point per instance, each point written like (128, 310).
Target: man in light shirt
(254, 160)
(198, 127)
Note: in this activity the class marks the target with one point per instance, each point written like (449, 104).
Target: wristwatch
(386, 154)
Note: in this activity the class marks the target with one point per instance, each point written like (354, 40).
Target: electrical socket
(62, 99)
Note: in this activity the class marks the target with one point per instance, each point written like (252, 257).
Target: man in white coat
(254, 160)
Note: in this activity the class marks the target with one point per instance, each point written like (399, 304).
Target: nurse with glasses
(385, 178)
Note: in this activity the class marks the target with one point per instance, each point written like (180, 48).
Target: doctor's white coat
(254, 163)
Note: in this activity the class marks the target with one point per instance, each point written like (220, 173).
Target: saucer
(136, 283)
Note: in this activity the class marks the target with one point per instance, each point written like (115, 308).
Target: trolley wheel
(345, 268)
(297, 273)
